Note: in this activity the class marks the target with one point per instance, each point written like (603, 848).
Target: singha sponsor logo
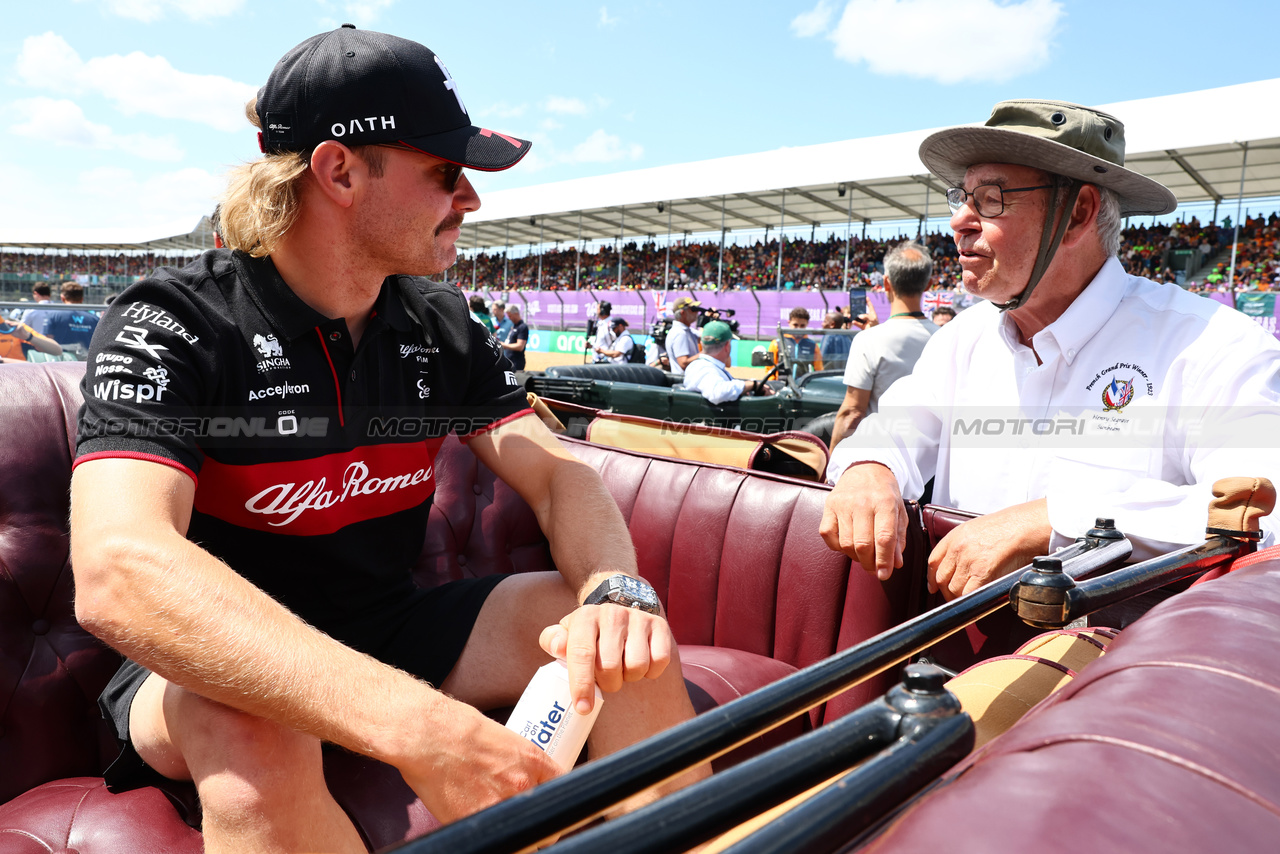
(291, 500)
(270, 355)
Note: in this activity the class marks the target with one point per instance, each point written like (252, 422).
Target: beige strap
(1239, 502)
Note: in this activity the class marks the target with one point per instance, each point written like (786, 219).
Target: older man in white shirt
(1077, 390)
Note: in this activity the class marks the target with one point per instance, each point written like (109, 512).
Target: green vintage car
(804, 399)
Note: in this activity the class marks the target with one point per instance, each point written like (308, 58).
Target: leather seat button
(462, 560)
(40, 627)
(475, 487)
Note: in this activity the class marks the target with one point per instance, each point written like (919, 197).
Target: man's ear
(336, 171)
(1083, 214)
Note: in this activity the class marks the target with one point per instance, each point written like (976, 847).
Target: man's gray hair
(1109, 218)
(908, 267)
(1109, 222)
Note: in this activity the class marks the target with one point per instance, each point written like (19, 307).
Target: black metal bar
(568, 801)
(705, 810)
(1046, 598)
(834, 816)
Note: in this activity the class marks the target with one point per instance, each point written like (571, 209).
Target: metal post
(848, 238)
(577, 265)
(925, 218)
(666, 274)
(622, 225)
(542, 248)
(720, 270)
(506, 257)
(475, 255)
(781, 238)
(1235, 237)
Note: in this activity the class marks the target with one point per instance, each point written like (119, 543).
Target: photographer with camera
(682, 340)
(709, 372)
(621, 347)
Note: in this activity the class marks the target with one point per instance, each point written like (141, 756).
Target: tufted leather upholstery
(627, 373)
(1167, 743)
(735, 556)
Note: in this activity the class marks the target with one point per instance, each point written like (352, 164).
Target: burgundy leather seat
(751, 591)
(1167, 743)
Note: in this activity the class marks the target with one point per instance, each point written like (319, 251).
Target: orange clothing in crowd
(13, 339)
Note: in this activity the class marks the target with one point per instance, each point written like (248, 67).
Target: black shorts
(424, 635)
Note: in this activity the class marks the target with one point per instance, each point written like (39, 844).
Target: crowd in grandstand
(1149, 250)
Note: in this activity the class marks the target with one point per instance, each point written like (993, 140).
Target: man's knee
(235, 758)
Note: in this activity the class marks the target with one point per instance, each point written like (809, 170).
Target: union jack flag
(936, 299)
(660, 302)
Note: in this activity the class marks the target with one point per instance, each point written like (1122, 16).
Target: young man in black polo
(272, 414)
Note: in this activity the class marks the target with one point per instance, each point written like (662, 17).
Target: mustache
(453, 220)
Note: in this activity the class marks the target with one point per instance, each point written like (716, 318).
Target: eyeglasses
(988, 199)
(451, 172)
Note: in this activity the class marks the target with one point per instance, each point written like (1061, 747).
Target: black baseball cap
(360, 87)
(617, 321)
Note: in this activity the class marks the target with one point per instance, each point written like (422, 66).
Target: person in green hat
(709, 372)
(1075, 390)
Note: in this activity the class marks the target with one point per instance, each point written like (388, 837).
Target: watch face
(630, 590)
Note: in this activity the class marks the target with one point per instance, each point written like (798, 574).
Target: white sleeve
(717, 389)
(905, 431)
(858, 371)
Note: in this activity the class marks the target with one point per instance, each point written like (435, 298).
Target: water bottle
(546, 717)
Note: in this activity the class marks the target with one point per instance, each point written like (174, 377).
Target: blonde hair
(261, 202)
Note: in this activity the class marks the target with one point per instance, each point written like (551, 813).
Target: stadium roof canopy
(96, 240)
(1194, 143)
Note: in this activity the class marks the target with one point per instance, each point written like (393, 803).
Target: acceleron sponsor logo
(281, 391)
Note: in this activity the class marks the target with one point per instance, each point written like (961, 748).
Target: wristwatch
(626, 591)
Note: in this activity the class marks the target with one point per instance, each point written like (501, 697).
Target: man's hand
(989, 547)
(865, 519)
(474, 763)
(608, 645)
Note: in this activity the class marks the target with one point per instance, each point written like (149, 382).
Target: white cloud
(815, 21)
(362, 13)
(566, 106)
(175, 201)
(603, 147)
(550, 124)
(950, 41)
(62, 122)
(501, 110)
(605, 20)
(153, 10)
(136, 83)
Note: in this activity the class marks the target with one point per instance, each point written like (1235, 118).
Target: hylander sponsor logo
(149, 314)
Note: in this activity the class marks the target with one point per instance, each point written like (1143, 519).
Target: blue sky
(125, 113)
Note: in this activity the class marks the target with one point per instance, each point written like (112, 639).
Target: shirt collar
(1082, 320)
(290, 316)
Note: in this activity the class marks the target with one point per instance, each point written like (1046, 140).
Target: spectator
(480, 313)
(834, 349)
(942, 315)
(801, 350)
(517, 338)
(883, 354)
(682, 340)
(621, 343)
(17, 339)
(40, 292)
(72, 329)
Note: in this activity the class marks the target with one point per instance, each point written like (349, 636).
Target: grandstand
(716, 223)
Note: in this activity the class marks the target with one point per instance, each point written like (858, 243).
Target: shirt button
(335, 336)
(353, 376)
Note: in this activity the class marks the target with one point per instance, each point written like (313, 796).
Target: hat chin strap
(1049, 241)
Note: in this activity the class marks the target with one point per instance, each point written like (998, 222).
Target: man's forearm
(45, 344)
(188, 617)
(847, 421)
(585, 553)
